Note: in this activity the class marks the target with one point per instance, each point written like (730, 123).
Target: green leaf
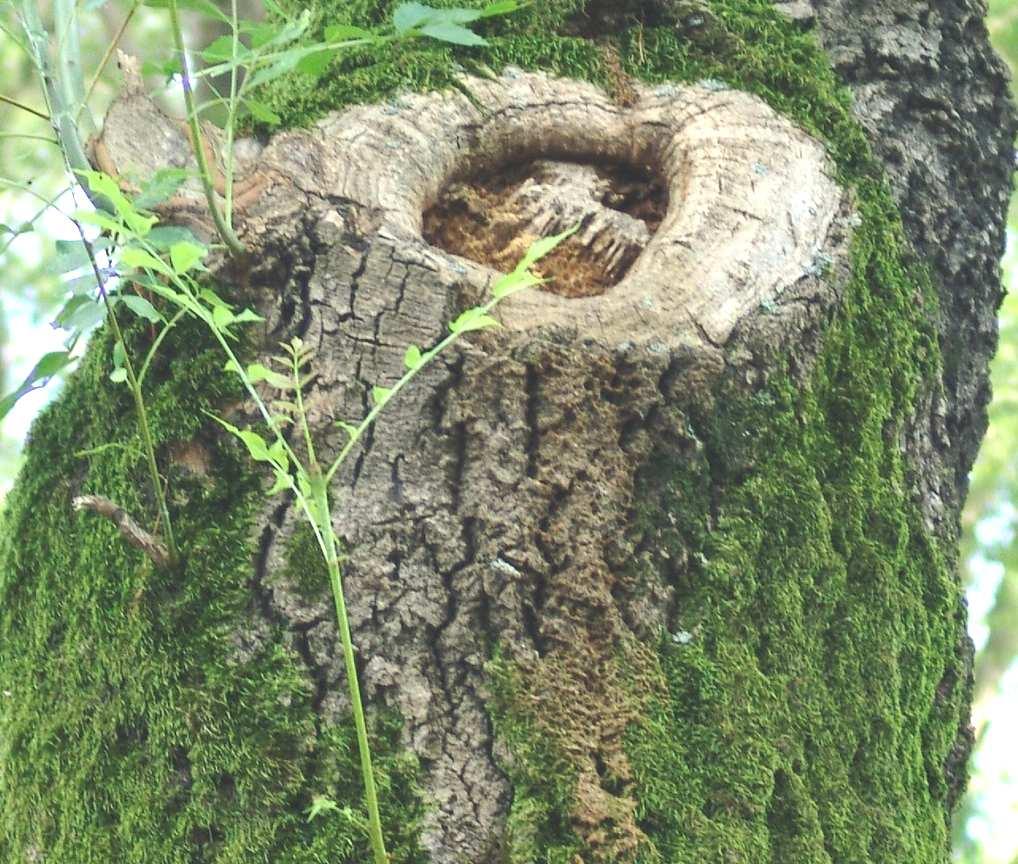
(500, 7)
(119, 355)
(283, 483)
(413, 359)
(277, 452)
(319, 805)
(118, 375)
(204, 7)
(256, 373)
(512, 282)
(543, 247)
(141, 307)
(213, 299)
(346, 32)
(82, 312)
(70, 256)
(99, 220)
(246, 315)
(162, 185)
(262, 112)
(381, 395)
(282, 64)
(222, 49)
(256, 445)
(349, 428)
(447, 31)
(222, 317)
(165, 69)
(133, 256)
(473, 319)
(410, 15)
(185, 256)
(163, 237)
(45, 369)
(105, 185)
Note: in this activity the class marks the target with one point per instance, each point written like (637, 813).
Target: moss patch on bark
(814, 678)
(811, 690)
(137, 724)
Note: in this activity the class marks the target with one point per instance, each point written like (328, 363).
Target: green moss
(138, 723)
(542, 778)
(807, 718)
(305, 568)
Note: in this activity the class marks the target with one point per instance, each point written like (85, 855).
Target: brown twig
(131, 531)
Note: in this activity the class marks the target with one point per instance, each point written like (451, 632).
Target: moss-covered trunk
(663, 571)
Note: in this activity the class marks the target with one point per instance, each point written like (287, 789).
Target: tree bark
(661, 570)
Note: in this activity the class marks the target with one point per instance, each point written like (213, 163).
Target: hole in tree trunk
(493, 217)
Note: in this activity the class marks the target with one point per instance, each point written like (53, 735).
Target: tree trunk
(663, 570)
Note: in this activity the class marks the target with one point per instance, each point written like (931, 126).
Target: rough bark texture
(661, 571)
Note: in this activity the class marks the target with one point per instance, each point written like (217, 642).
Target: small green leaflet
(133, 256)
(82, 312)
(106, 186)
(262, 112)
(163, 237)
(256, 372)
(413, 359)
(283, 482)
(205, 7)
(543, 247)
(453, 33)
(185, 256)
(222, 317)
(446, 25)
(349, 428)
(512, 282)
(321, 804)
(256, 445)
(473, 319)
(163, 184)
(381, 395)
(222, 49)
(141, 307)
(119, 375)
(344, 32)
(46, 368)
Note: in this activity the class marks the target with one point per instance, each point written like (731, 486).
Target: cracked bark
(494, 504)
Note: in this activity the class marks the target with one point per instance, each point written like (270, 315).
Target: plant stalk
(139, 404)
(367, 772)
(197, 144)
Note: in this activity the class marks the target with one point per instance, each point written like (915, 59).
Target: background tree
(690, 594)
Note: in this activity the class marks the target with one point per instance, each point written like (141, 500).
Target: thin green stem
(231, 120)
(107, 55)
(159, 341)
(134, 384)
(45, 138)
(222, 226)
(367, 771)
(312, 458)
(7, 100)
(377, 409)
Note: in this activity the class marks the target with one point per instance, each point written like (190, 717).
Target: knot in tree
(660, 569)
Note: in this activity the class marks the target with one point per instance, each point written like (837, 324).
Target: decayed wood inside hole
(492, 219)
